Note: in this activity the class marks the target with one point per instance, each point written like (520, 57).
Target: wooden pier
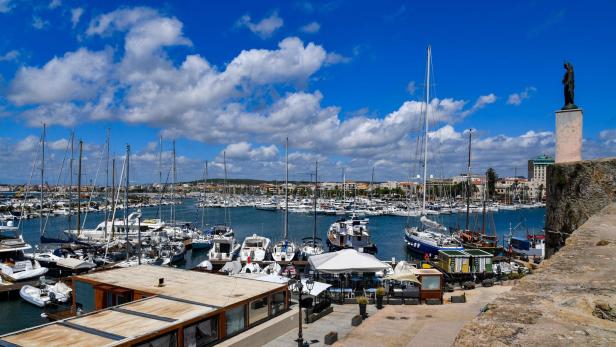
(7, 290)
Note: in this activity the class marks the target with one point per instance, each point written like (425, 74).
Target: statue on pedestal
(569, 84)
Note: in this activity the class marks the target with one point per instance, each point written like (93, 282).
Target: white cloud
(6, 6)
(75, 76)
(10, 56)
(480, 103)
(55, 4)
(517, 98)
(39, 23)
(335, 58)
(76, 15)
(265, 28)
(311, 28)
(245, 151)
(608, 135)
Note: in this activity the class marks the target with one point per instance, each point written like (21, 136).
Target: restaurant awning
(346, 261)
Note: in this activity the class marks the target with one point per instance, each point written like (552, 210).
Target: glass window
(235, 319)
(258, 310)
(167, 340)
(201, 334)
(431, 282)
(278, 301)
(84, 296)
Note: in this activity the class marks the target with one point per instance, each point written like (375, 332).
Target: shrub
(380, 291)
(362, 300)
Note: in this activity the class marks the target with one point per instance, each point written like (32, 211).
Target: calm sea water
(387, 232)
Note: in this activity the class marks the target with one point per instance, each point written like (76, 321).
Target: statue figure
(569, 84)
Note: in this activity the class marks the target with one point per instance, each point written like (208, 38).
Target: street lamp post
(300, 288)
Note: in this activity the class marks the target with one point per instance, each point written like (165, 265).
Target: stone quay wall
(576, 191)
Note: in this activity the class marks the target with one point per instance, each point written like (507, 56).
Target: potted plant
(380, 293)
(362, 301)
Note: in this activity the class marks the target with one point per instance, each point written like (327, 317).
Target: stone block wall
(576, 191)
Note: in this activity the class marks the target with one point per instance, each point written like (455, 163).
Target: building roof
(186, 295)
(543, 160)
(206, 288)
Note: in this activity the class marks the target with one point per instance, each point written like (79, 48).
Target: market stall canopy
(345, 261)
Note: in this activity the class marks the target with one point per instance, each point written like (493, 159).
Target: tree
(491, 178)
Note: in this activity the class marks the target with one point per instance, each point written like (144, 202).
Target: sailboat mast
(468, 178)
(126, 199)
(160, 176)
(204, 196)
(70, 183)
(316, 189)
(371, 183)
(106, 184)
(113, 196)
(79, 188)
(42, 177)
(173, 186)
(286, 191)
(225, 190)
(343, 187)
(425, 173)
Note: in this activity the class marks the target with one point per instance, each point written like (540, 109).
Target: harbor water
(387, 232)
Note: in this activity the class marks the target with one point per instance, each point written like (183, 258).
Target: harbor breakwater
(571, 298)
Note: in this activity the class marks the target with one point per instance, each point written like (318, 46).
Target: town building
(537, 173)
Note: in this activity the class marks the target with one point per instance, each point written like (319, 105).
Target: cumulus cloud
(55, 4)
(517, 98)
(608, 135)
(411, 87)
(245, 151)
(76, 15)
(264, 28)
(336, 58)
(74, 76)
(311, 28)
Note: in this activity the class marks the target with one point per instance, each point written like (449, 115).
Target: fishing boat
(285, 249)
(350, 233)
(254, 248)
(429, 236)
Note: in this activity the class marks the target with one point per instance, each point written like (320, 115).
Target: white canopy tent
(346, 261)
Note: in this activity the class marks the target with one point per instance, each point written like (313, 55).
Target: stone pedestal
(568, 135)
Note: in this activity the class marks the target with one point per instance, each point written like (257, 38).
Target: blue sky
(343, 80)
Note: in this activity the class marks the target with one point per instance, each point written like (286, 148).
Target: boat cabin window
(167, 340)
(431, 282)
(223, 247)
(258, 310)
(253, 244)
(201, 334)
(235, 320)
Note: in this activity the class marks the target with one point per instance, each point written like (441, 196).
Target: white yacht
(147, 227)
(13, 266)
(350, 233)
(223, 248)
(254, 247)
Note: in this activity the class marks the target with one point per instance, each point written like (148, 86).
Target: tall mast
(79, 189)
(173, 186)
(224, 185)
(70, 183)
(160, 176)
(106, 184)
(42, 177)
(286, 190)
(372, 183)
(425, 173)
(468, 178)
(204, 196)
(343, 188)
(113, 196)
(316, 189)
(126, 198)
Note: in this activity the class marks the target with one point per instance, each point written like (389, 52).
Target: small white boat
(284, 250)
(205, 265)
(223, 248)
(254, 247)
(272, 269)
(45, 294)
(22, 270)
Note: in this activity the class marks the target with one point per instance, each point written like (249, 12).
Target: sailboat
(285, 249)
(474, 239)
(428, 237)
(254, 248)
(224, 245)
(313, 245)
